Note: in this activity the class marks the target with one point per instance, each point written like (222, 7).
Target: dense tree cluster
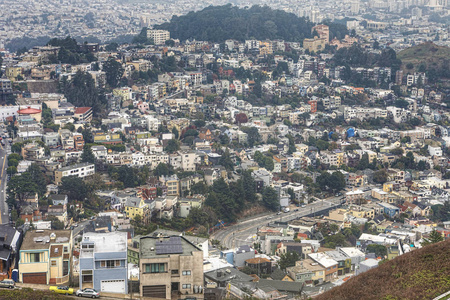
(70, 52)
(219, 23)
(228, 200)
(81, 91)
(129, 176)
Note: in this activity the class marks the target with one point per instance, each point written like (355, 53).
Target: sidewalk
(103, 295)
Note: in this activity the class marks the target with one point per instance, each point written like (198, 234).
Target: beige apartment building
(170, 267)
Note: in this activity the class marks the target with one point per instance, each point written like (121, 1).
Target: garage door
(113, 286)
(155, 291)
(39, 278)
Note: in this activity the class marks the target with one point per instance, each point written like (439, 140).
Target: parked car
(90, 293)
(7, 283)
(61, 290)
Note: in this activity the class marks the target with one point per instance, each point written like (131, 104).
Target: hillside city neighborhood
(242, 169)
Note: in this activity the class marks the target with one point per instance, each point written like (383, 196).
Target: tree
(380, 176)
(19, 187)
(142, 37)
(161, 170)
(253, 135)
(288, 259)
(225, 161)
(114, 72)
(74, 187)
(172, 145)
(38, 178)
(175, 132)
(241, 118)
(81, 91)
(112, 47)
(397, 151)
(13, 162)
(292, 147)
(11, 170)
(435, 237)
(199, 188)
(87, 155)
(249, 186)
(363, 162)
(56, 224)
(270, 198)
(379, 250)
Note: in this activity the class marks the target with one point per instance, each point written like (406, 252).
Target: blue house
(389, 209)
(103, 262)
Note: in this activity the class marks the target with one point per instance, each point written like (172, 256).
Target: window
(54, 263)
(85, 247)
(155, 268)
(35, 257)
(109, 263)
(187, 272)
(86, 276)
(186, 286)
(65, 267)
(66, 249)
(175, 272)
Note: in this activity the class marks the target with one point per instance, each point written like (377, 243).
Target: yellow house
(136, 207)
(318, 272)
(13, 72)
(388, 187)
(45, 257)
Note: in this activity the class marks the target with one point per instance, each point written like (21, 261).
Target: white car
(90, 293)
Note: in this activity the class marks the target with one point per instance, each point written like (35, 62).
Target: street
(4, 215)
(239, 233)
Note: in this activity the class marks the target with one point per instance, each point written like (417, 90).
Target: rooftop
(107, 242)
(42, 239)
(151, 247)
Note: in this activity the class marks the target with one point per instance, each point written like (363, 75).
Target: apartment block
(80, 170)
(170, 266)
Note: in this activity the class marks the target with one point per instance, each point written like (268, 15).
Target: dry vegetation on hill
(420, 274)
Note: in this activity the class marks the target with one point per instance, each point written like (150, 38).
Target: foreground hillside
(219, 23)
(420, 274)
(426, 57)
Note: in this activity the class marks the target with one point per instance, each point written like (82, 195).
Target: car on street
(303, 205)
(90, 293)
(61, 290)
(279, 213)
(7, 283)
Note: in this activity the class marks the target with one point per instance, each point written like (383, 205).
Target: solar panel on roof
(169, 246)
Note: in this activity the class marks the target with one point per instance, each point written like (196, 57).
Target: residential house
(260, 264)
(10, 240)
(328, 263)
(46, 257)
(103, 262)
(135, 206)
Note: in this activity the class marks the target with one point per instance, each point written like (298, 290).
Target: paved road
(3, 182)
(241, 233)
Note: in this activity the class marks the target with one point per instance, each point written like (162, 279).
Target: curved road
(240, 233)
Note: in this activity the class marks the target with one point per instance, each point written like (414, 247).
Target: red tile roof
(82, 110)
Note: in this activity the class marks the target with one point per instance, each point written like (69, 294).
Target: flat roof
(40, 239)
(107, 242)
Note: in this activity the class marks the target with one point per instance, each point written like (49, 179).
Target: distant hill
(429, 57)
(420, 274)
(219, 23)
